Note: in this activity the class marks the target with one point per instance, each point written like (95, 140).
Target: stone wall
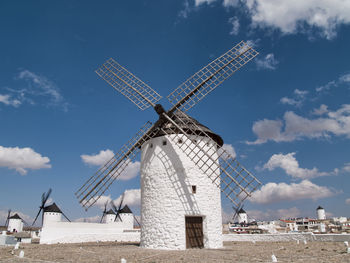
(76, 232)
(285, 237)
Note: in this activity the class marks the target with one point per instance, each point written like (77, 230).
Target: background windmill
(104, 211)
(117, 209)
(195, 141)
(8, 218)
(51, 208)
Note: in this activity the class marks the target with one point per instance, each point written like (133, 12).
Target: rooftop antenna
(234, 181)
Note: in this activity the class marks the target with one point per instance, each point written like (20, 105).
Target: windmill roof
(110, 212)
(187, 126)
(125, 210)
(241, 211)
(52, 208)
(15, 216)
(319, 207)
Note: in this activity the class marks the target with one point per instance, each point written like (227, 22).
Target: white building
(242, 217)
(15, 224)
(127, 217)
(176, 196)
(55, 230)
(321, 213)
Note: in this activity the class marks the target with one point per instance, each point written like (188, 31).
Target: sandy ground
(232, 252)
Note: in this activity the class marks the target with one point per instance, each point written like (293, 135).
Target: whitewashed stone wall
(76, 232)
(167, 176)
(16, 224)
(286, 237)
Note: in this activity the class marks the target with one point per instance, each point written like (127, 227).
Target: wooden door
(194, 232)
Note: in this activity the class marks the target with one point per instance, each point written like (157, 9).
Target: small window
(151, 145)
(194, 141)
(180, 141)
(164, 142)
(194, 189)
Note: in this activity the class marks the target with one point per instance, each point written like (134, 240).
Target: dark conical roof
(15, 216)
(188, 127)
(241, 211)
(319, 207)
(110, 212)
(52, 208)
(125, 210)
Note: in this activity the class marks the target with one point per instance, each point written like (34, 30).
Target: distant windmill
(44, 198)
(117, 209)
(181, 164)
(104, 211)
(8, 218)
(51, 208)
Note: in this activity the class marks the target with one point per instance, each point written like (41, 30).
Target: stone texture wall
(75, 232)
(286, 237)
(167, 176)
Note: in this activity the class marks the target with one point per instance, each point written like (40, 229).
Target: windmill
(8, 218)
(117, 210)
(44, 198)
(236, 211)
(192, 147)
(104, 211)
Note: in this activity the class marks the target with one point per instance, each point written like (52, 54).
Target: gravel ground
(232, 252)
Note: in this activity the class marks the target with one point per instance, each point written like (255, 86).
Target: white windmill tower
(321, 213)
(15, 223)
(183, 167)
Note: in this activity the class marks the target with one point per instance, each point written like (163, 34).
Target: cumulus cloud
(297, 99)
(132, 197)
(290, 165)
(234, 22)
(277, 192)
(336, 123)
(343, 79)
(229, 151)
(6, 99)
(21, 159)
(292, 17)
(97, 159)
(346, 167)
(270, 214)
(268, 62)
(347, 201)
(321, 110)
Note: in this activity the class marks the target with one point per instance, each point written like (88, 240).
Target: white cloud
(346, 167)
(21, 159)
(277, 192)
(290, 165)
(270, 214)
(6, 99)
(199, 2)
(336, 123)
(132, 197)
(299, 16)
(268, 62)
(229, 150)
(97, 159)
(101, 202)
(343, 79)
(235, 25)
(131, 171)
(347, 201)
(299, 97)
(321, 110)
(186, 10)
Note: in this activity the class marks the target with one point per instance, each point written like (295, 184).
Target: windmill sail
(235, 182)
(97, 184)
(44, 198)
(142, 95)
(208, 78)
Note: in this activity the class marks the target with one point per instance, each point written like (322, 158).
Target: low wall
(7, 240)
(77, 232)
(285, 237)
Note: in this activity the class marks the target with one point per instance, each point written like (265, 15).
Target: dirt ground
(232, 252)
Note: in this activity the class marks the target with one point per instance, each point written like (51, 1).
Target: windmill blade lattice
(92, 190)
(44, 198)
(142, 95)
(235, 182)
(208, 78)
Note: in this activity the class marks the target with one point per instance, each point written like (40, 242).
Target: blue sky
(286, 114)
